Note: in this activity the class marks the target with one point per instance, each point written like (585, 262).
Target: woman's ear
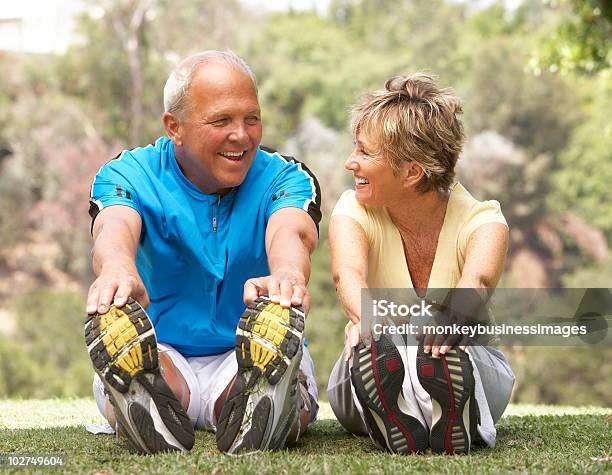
(412, 174)
(173, 128)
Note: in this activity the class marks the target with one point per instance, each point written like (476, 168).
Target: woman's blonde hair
(413, 119)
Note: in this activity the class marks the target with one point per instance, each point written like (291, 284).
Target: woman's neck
(420, 213)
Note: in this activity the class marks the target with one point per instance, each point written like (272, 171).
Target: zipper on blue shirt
(215, 211)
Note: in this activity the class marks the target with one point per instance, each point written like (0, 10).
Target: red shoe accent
(392, 365)
(392, 416)
(427, 370)
(452, 411)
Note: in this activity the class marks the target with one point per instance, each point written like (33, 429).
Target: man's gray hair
(177, 85)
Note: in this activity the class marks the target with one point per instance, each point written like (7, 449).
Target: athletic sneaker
(377, 376)
(123, 349)
(263, 405)
(449, 380)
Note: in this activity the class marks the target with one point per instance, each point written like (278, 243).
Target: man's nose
(239, 134)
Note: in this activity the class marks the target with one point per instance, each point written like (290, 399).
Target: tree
(581, 41)
(127, 50)
(583, 180)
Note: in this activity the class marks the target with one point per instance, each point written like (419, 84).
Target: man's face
(221, 129)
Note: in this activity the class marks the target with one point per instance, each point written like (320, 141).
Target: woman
(408, 224)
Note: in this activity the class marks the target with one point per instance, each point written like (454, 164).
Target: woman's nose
(351, 163)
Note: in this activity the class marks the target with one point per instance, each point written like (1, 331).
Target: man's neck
(196, 179)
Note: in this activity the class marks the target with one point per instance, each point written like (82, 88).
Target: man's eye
(252, 120)
(220, 122)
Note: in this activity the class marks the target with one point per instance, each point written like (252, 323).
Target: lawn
(531, 439)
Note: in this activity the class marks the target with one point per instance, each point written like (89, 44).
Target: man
(198, 225)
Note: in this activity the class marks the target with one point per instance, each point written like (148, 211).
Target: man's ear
(173, 128)
(412, 174)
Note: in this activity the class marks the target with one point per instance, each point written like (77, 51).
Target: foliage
(582, 379)
(536, 113)
(315, 73)
(46, 357)
(582, 39)
(585, 174)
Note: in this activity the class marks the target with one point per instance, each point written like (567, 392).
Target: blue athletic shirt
(197, 250)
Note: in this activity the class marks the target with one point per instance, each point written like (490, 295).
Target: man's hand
(283, 288)
(114, 285)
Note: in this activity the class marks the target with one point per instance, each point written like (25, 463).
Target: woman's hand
(352, 334)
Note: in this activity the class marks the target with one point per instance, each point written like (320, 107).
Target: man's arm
(116, 233)
(291, 237)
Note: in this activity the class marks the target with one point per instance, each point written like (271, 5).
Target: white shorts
(207, 377)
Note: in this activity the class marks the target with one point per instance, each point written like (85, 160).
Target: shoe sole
(268, 352)
(377, 375)
(449, 380)
(123, 349)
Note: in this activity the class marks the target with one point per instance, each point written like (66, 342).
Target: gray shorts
(494, 382)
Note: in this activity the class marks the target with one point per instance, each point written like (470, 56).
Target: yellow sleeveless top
(387, 266)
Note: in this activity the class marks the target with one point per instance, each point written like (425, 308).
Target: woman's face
(375, 182)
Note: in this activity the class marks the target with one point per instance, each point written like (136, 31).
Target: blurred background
(82, 79)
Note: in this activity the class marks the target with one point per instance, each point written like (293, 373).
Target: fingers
(427, 342)
(291, 294)
(306, 303)
(351, 340)
(299, 293)
(252, 290)
(284, 292)
(463, 344)
(92, 300)
(354, 335)
(107, 293)
(348, 350)
(115, 289)
(123, 292)
(273, 289)
(269, 285)
(437, 343)
(142, 297)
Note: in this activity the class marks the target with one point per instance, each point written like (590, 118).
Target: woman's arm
(349, 252)
(484, 264)
(485, 257)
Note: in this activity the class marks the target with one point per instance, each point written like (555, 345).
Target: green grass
(537, 439)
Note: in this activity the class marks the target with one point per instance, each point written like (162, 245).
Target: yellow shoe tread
(120, 333)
